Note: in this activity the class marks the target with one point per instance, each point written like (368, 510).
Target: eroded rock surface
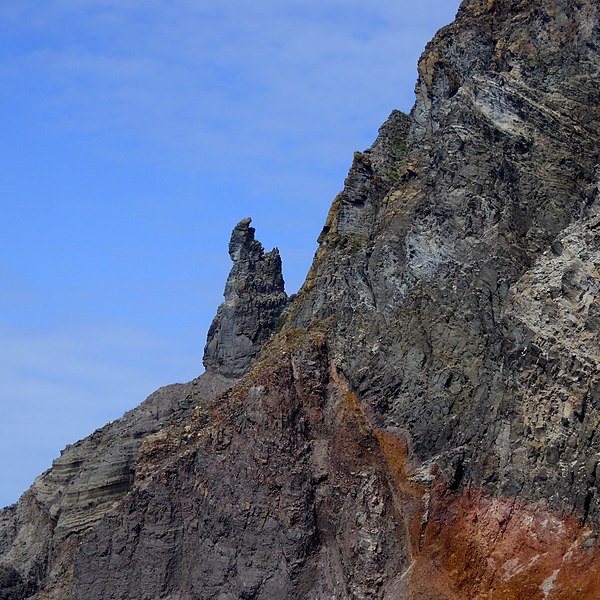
(455, 318)
(255, 299)
(39, 533)
(425, 423)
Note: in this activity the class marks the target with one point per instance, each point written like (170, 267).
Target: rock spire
(254, 301)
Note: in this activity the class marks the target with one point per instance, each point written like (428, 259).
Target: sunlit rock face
(466, 315)
(421, 420)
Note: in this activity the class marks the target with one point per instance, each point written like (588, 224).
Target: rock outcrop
(500, 173)
(425, 423)
(38, 533)
(255, 300)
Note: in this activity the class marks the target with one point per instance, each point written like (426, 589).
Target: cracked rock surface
(254, 301)
(424, 422)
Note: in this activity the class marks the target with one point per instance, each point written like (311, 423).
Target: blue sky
(135, 135)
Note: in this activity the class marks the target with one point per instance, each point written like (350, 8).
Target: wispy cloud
(225, 82)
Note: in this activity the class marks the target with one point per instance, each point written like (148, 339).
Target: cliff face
(40, 533)
(425, 423)
(466, 316)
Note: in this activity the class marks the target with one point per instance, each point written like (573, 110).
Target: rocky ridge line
(39, 532)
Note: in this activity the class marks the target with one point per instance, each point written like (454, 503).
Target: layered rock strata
(425, 423)
(38, 533)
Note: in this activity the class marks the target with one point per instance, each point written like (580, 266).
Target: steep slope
(425, 424)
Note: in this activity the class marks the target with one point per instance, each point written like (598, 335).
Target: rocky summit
(255, 299)
(422, 420)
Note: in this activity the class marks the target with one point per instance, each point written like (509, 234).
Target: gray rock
(500, 169)
(254, 302)
(425, 422)
(38, 534)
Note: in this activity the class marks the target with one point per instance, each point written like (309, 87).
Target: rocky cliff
(39, 534)
(424, 424)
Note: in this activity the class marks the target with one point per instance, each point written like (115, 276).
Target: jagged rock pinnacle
(254, 299)
(242, 243)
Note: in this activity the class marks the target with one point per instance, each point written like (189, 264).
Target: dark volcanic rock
(12, 586)
(500, 174)
(254, 301)
(269, 502)
(371, 176)
(425, 423)
(37, 534)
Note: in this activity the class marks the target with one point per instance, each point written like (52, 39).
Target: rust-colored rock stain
(472, 545)
(491, 547)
